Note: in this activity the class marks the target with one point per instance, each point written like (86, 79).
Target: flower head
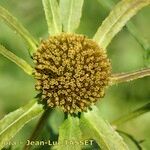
(72, 71)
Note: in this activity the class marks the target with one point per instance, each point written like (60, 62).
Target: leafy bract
(71, 11)
(134, 31)
(69, 132)
(129, 76)
(14, 121)
(18, 28)
(117, 18)
(18, 61)
(93, 126)
(52, 13)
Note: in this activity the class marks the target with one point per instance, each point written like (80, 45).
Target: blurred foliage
(16, 88)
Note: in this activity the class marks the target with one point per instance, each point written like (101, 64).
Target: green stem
(18, 61)
(38, 128)
(130, 76)
(136, 113)
(18, 28)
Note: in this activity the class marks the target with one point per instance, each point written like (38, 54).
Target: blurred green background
(126, 54)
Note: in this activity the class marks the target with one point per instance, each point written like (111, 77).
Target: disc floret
(72, 72)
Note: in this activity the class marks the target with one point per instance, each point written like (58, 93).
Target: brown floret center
(72, 72)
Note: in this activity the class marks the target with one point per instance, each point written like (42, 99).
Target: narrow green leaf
(71, 12)
(52, 13)
(69, 132)
(14, 121)
(93, 126)
(18, 61)
(129, 76)
(109, 4)
(18, 28)
(133, 30)
(136, 113)
(118, 17)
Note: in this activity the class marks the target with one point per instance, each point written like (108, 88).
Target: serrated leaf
(118, 17)
(69, 131)
(18, 61)
(93, 126)
(71, 11)
(52, 13)
(18, 28)
(14, 121)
